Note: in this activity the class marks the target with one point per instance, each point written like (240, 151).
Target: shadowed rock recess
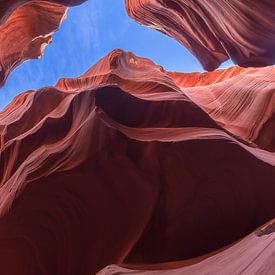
(131, 169)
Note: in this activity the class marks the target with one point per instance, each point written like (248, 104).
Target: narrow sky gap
(90, 31)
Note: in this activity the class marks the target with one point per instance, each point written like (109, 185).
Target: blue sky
(90, 31)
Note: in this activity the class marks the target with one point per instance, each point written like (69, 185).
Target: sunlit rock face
(127, 164)
(26, 27)
(214, 30)
(241, 100)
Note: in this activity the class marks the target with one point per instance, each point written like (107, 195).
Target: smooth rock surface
(254, 254)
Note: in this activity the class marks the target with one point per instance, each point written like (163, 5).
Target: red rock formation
(214, 30)
(252, 255)
(7, 7)
(26, 27)
(241, 100)
(119, 165)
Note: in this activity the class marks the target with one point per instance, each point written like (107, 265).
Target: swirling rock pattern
(26, 27)
(214, 30)
(119, 166)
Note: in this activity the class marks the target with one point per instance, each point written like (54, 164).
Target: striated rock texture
(7, 7)
(26, 27)
(241, 100)
(214, 31)
(121, 165)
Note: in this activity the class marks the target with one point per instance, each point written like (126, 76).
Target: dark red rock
(214, 31)
(121, 166)
(254, 254)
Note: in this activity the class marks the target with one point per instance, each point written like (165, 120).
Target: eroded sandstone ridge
(214, 30)
(123, 165)
(241, 100)
(136, 168)
(26, 27)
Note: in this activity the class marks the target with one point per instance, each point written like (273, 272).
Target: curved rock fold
(26, 27)
(132, 169)
(214, 31)
(125, 156)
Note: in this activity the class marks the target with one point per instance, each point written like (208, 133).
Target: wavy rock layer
(122, 156)
(241, 100)
(214, 31)
(26, 27)
(252, 255)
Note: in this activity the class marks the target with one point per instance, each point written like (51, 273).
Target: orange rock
(26, 27)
